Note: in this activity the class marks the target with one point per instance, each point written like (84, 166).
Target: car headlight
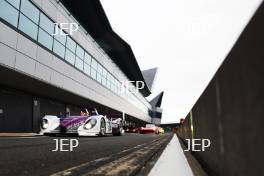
(90, 124)
(44, 124)
(87, 126)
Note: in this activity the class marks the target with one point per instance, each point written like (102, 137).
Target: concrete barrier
(230, 112)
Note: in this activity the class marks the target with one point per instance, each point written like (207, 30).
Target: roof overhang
(90, 14)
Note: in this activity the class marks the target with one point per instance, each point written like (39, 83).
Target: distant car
(92, 125)
(161, 130)
(150, 128)
(132, 130)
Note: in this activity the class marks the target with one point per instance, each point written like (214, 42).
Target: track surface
(120, 155)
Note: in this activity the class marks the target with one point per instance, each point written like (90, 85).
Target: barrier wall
(230, 112)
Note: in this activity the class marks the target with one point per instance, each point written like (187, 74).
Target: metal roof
(156, 102)
(149, 76)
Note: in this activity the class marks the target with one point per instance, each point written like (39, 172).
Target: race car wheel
(102, 127)
(120, 128)
(119, 132)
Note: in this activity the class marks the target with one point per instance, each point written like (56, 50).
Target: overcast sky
(186, 39)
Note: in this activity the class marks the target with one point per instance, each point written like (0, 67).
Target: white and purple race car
(91, 125)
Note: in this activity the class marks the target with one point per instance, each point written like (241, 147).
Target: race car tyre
(102, 127)
(119, 133)
(50, 134)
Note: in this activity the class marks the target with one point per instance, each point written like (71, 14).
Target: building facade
(46, 73)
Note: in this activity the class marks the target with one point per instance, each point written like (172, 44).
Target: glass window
(58, 48)
(8, 13)
(94, 64)
(115, 89)
(104, 72)
(30, 10)
(93, 73)
(111, 79)
(70, 57)
(108, 84)
(79, 51)
(119, 89)
(79, 63)
(60, 36)
(116, 82)
(108, 76)
(46, 24)
(28, 27)
(87, 69)
(99, 68)
(104, 81)
(71, 44)
(112, 87)
(45, 39)
(87, 58)
(99, 78)
(15, 3)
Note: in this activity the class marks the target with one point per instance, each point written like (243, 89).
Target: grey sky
(186, 39)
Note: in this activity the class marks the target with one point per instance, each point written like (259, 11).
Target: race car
(90, 125)
(150, 128)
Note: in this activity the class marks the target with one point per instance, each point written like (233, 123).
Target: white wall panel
(7, 56)
(43, 56)
(38, 3)
(43, 72)
(57, 64)
(26, 46)
(8, 35)
(25, 64)
(50, 9)
(57, 79)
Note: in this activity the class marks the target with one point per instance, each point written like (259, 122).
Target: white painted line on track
(172, 161)
(23, 137)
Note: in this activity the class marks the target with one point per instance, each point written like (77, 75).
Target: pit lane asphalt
(34, 155)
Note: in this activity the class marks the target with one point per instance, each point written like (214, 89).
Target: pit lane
(113, 155)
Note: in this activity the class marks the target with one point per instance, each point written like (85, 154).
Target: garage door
(15, 111)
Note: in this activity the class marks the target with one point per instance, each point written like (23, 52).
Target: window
(115, 89)
(15, 3)
(108, 84)
(99, 78)
(111, 78)
(61, 37)
(58, 48)
(93, 73)
(112, 87)
(28, 27)
(94, 64)
(108, 76)
(79, 63)
(87, 69)
(70, 57)
(28, 9)
(70, 44)
(79, 52)
(45, 39)
(104, 72)
(8, 13)
(104, 81)
(87, 58)
(46, 24)
(99, 68)
(116, 82)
